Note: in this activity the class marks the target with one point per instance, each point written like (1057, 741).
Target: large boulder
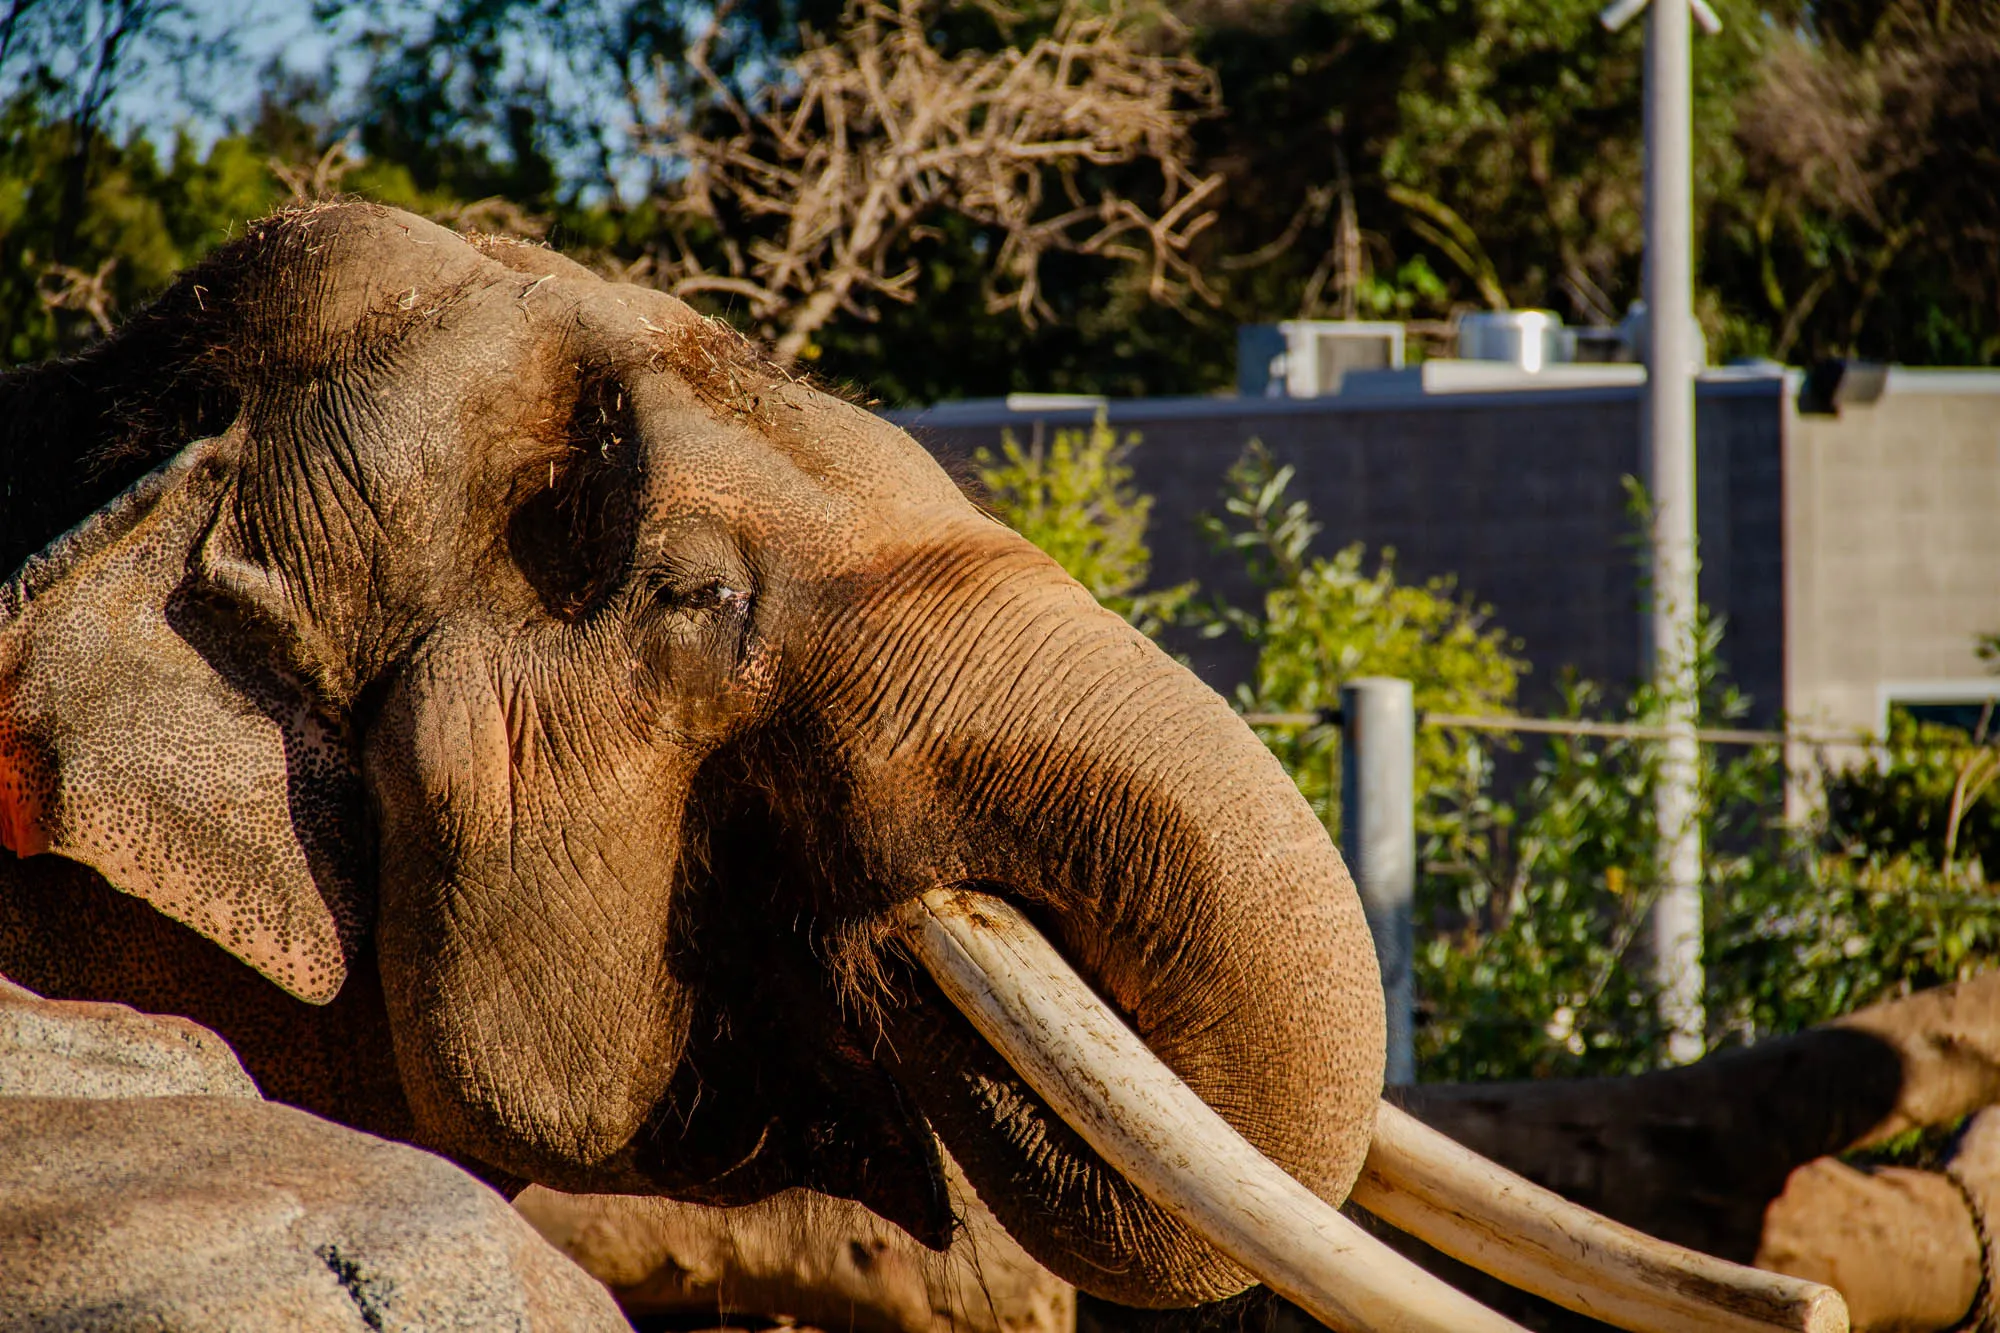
(79, 1048)
(144, 1185)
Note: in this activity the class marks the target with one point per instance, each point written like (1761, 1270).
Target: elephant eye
(699, 598)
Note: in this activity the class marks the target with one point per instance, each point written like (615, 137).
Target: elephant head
(529, 639)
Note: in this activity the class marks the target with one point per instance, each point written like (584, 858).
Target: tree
(1872, 139)
(95, 217)
(73, 61)
(813, 189)
(62, 283)
(1327, 619)
(594, 118)
(1406, 159)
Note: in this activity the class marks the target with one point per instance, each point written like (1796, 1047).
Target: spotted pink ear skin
(123, 746)
(20, 823)
(20, 833)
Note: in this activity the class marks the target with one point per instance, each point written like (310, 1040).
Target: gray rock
(75, 1048)
(223, 1213)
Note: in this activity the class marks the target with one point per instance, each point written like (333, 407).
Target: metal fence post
(1378, 785)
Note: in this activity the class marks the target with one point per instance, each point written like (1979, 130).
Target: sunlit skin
(595, 693)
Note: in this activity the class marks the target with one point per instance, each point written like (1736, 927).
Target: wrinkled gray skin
(517, 666)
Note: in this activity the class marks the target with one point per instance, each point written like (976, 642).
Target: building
(1853, 549)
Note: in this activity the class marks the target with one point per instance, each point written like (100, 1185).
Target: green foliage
(1822, 935)
(1537, 969)
(1074, 498)
(1401, 159)
(1902, 801)
(141, 222)
(1536, 899)
(1326, 619)
(1530, 971)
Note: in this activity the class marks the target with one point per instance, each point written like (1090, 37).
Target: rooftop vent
(1528, 340)
(1308, 358)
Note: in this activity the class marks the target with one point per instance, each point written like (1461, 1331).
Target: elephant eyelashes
(701, 599)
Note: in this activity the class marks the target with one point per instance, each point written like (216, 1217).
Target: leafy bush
(1538, 967)
(1532, 904)
(1074, 498)
(1928, 792)
(1884, 889)
(1327, 619)
(1835, 932)
(1537, 964)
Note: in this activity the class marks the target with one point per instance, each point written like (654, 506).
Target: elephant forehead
(494, 334)
(777, 491)
(319, 286)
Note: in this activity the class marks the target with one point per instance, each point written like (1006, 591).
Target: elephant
(820, 1262)
(527, 724)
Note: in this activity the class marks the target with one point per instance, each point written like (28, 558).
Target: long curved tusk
(1429, 1185)
(1096, 1074)
(1100, 1077)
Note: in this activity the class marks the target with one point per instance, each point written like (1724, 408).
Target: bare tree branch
(814, 189)
(309, 182)
(63, 287)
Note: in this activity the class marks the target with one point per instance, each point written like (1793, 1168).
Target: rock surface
(75, 1048)
(126, 1203)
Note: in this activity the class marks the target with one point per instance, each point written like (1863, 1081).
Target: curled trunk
(1055, 757)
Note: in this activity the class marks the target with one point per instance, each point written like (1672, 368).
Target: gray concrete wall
(1520, 495)
(1893, 511)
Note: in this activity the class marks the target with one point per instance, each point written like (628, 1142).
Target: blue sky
(162, 95)
(263, 31)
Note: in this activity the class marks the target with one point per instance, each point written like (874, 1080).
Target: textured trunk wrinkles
(1020, 737)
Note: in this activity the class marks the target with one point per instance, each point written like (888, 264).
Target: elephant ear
(168, 750)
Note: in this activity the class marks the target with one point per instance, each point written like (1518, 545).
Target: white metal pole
(1378, 822)
(1669, 445)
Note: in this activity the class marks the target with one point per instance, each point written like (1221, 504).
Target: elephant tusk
(1426, 1184)
(1096, 1073)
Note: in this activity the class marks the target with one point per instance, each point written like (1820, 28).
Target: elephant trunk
(1228, 1014)
(1040, 748)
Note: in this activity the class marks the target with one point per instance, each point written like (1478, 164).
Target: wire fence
(1559, 726)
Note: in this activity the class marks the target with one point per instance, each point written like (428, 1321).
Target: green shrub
(1929, 793)
(1326, 619)
(1531, 905)
(1536, 966)
(1074, 498)
(1540, 970)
